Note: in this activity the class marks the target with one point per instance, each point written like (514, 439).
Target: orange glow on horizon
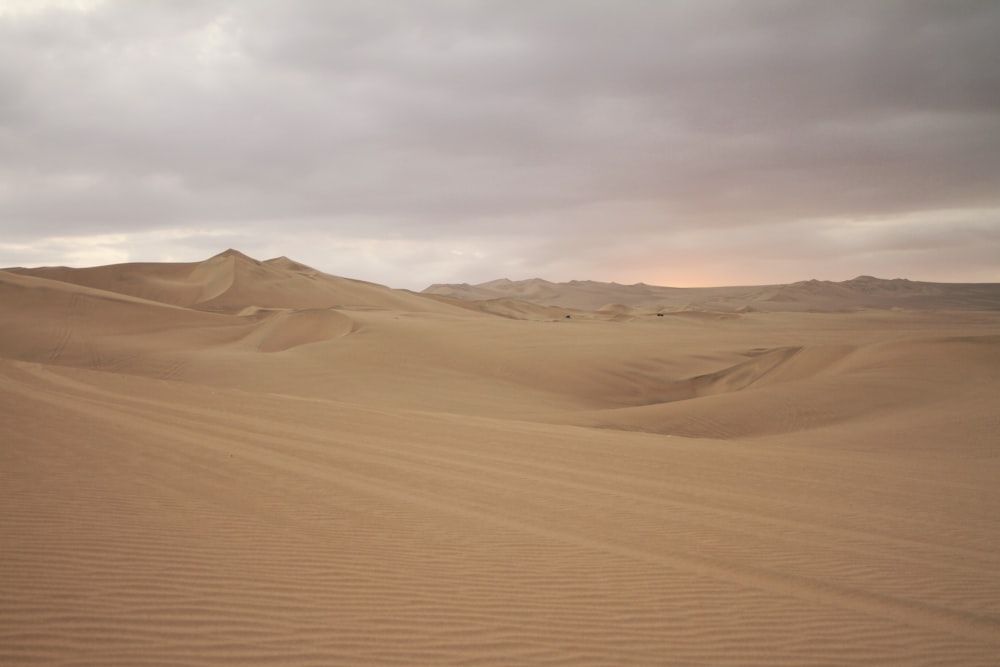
(679, 276)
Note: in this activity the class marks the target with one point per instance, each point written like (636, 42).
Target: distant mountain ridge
(232, 281)
(862, 292)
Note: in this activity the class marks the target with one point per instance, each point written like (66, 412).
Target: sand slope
(947, 384)
(243, 462)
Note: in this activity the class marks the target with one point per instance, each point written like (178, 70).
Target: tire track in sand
(910, 613)
(672, 497)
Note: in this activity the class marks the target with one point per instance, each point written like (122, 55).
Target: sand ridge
(247, 462)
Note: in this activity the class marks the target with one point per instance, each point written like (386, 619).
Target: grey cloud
(433, 119)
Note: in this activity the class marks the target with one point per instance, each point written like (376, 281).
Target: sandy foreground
(241, 462)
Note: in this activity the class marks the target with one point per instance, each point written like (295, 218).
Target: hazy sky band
(446, 141)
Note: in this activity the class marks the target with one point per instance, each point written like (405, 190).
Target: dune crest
(284, 330)
(214, 276)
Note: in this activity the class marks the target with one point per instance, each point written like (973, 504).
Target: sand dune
(863, 292)
(511, 308)
(282, 331)
(231, 281)
(57, 322)
(246, 462)
(839, 390)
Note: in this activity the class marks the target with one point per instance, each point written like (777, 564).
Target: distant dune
(247, 462)
(810, 295)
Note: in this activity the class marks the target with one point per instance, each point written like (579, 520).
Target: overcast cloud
(672, 142)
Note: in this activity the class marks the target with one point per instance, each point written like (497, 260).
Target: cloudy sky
(673, 142)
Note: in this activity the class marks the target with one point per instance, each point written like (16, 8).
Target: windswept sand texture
(243, 462)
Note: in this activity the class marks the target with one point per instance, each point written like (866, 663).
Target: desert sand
(256, 463)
